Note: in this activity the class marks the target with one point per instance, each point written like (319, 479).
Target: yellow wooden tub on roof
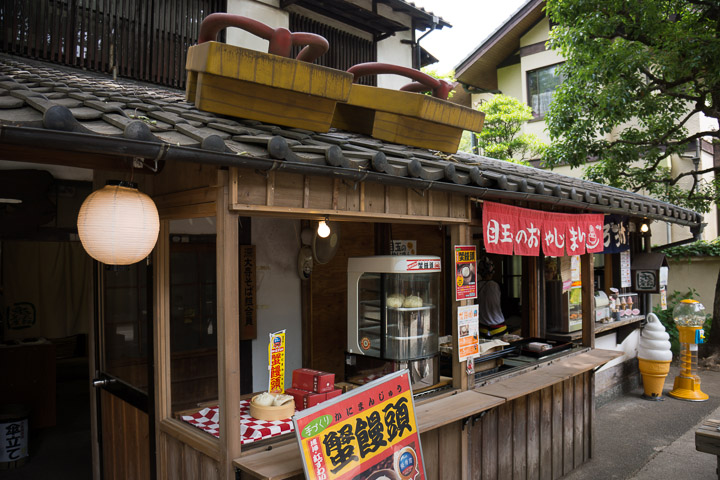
(405, 116)
(268, 87)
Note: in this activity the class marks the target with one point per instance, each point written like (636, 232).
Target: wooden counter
(548, 374)
(283, 460)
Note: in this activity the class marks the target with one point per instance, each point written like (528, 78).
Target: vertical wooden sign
(248, 293)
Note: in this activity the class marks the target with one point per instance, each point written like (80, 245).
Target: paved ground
(643, 440)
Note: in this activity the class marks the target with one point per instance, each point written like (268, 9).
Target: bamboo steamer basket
(271, 413)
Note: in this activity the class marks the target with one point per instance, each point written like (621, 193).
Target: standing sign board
(368, 432)
(465, 268)
(276, 357)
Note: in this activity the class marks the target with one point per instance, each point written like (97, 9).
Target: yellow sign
(276, 355)
(366, 432)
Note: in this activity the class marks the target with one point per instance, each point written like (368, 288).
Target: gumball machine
(689, 316)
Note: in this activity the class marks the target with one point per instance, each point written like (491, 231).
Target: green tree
(636, 75)
(500, 136)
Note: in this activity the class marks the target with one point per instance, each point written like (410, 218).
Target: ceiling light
(323, 229)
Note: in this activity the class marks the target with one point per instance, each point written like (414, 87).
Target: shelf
(624, 327)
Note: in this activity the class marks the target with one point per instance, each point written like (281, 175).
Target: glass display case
(393, 311)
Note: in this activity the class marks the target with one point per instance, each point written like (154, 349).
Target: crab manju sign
(368, 432)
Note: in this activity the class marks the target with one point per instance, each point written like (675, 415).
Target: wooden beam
(588, 294)
(339, 215)
(228, 329)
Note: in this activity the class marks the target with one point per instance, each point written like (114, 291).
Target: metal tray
(557, 346)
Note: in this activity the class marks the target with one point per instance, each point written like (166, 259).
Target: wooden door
(123, 373)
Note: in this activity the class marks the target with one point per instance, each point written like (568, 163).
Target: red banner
(509, 229)
(500, 222)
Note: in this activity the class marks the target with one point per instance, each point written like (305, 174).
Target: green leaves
(635, 74)
(500, 137)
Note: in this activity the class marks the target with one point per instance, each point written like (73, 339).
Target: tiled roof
(62, 101)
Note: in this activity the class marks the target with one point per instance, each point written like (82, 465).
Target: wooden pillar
(530, 297)
(588, 295)
(228, 310)
(161, 334)
(459, 235)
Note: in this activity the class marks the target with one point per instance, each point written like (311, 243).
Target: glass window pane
(193, 322)
(125, 310)
(541, 87)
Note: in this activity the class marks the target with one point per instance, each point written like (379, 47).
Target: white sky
(472, 22)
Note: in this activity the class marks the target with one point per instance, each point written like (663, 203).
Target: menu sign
(368, 432)
(465, 268)
(468, 325)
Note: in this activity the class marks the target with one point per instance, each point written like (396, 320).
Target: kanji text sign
(368, 429)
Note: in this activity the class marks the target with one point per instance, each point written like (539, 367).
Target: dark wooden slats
(543, 435)
(144, 40)
(345, 50)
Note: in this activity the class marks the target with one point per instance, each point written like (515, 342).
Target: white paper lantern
(118, 224)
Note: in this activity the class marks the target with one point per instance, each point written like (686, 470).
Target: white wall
(266, 11)
(392, 51)
(278, 295)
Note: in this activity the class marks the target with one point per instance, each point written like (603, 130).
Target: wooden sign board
(248, 293)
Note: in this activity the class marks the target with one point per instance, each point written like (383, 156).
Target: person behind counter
(492, 320)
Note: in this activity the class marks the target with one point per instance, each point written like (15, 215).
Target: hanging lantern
(118, 224)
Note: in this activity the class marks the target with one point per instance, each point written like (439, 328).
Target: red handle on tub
(423, 82)
(281, 39)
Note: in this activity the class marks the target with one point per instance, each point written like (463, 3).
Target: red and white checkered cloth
(251, 429)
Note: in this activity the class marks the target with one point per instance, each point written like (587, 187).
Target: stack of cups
(654, 357)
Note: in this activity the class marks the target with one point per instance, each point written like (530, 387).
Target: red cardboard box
(298, 396)
(312, 399)
(305, 399)
(334, 393)
(313, 380)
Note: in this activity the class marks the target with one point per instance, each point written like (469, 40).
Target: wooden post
(588, 296)
(459, 235)
(228, 311)
(161, 333)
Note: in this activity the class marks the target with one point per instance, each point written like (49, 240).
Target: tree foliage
(500, 136)
(636, 75)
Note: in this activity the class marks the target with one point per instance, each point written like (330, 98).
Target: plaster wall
(265, 11)
(393, 51)
(700, 274)
(540, 32)
(278, 295)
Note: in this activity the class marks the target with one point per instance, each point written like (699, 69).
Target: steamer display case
(393, 317)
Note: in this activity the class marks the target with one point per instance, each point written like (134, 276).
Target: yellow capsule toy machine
(689, 316)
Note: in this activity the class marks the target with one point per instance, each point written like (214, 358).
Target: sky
(472, 22)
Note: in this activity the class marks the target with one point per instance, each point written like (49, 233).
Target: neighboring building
(514, 60)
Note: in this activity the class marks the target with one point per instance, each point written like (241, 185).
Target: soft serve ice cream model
(654, 357)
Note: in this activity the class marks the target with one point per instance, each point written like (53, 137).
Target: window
(193, 319)
(541, 84)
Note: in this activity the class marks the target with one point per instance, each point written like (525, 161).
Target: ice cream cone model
(689, 316)
(654, 357)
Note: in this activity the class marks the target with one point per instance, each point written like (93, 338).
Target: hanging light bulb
(323, 229)
(644, 227)
(118, 224)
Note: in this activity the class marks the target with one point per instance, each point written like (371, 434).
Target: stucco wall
(700, 274)
(278, 295)
(266, 11)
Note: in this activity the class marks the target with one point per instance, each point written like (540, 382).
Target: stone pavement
(641, 440)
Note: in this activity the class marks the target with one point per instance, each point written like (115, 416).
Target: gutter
(156, 152)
